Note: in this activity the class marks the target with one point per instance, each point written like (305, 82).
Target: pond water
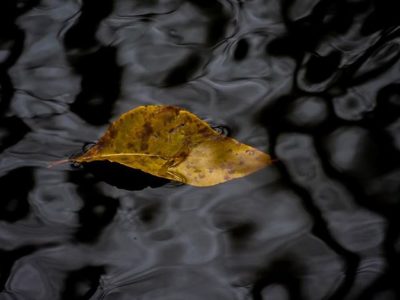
(314, 83)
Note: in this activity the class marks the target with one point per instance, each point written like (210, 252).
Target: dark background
(314, 83)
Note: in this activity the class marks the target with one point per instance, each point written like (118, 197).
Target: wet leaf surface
(172, 143)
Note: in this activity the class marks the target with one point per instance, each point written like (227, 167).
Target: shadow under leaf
(123, 177)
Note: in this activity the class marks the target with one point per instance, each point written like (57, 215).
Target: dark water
(314, 83)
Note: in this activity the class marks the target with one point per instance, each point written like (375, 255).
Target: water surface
(314, 83)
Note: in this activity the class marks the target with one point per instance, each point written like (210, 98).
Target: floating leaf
(172, 143)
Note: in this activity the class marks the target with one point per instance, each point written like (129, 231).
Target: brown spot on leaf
(147, 129)
(112, 132)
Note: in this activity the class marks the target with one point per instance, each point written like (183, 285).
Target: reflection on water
(314, 83)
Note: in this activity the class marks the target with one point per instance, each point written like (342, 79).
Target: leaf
(172, 143)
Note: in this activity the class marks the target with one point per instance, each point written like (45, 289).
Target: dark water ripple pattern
(314, 83)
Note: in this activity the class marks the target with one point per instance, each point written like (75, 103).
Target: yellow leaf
(172, 143)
